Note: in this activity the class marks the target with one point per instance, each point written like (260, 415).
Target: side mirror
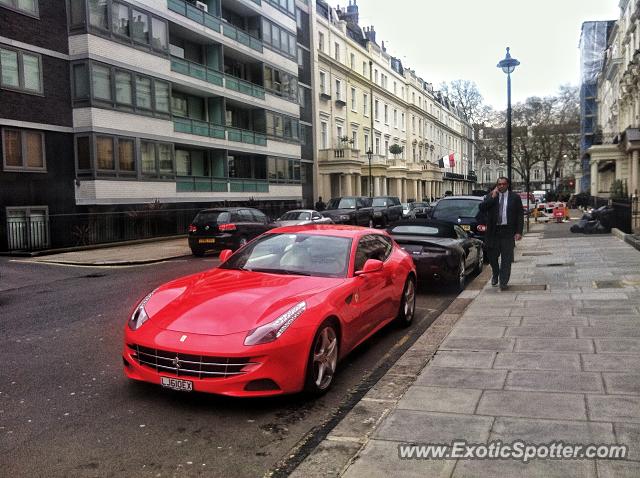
(225, 254)
(372, 265)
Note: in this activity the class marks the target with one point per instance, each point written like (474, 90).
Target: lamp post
(508, 65)
(369, 155)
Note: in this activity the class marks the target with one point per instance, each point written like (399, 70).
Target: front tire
(407, 303)
(480, 264)
(323, 360)
(462, 276)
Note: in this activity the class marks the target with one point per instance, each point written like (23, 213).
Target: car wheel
(480, 261)
(196, 251)
(323, 359)
(462, 276)
(407, 303)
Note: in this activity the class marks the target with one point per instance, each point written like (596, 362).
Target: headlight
(344, 218)
(139, 315)
(271, 331)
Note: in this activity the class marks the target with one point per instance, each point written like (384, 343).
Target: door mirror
(225, 254)
(372, 265)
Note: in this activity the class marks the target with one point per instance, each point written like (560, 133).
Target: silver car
(301, 217)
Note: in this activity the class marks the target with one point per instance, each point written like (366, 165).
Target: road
(67, 410)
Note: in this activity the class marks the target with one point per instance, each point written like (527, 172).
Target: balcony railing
(187, 184)
(202, 128)
(214, 23)
(191, 12)
(215, 77)
(248, 186)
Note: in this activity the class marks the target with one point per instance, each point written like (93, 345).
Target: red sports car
(275, 317)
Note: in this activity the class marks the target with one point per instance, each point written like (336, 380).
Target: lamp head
(509, 64)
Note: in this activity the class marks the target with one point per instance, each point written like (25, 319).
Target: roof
(474, 198)
(337, 230)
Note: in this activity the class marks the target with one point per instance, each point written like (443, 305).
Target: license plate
(206, 241)
(176, 384)
(466, 227)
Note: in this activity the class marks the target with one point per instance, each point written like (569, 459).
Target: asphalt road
(67, 410)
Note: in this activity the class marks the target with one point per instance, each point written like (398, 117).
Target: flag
(447, 161)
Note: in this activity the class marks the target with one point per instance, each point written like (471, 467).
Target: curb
(631, 239)
(111, 263)
(344, 442)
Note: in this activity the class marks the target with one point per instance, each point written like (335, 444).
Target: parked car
(300, 217)
(225, 228)
(273, 318)
(464, 212)
(356, 210)
(386, 209)
(419, 210)
(441, 251)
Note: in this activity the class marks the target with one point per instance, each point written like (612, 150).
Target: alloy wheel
(325, 357)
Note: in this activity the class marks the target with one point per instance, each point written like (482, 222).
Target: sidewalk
(559, 364)
(131, 254)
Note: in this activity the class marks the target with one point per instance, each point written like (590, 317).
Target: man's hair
(505, 178)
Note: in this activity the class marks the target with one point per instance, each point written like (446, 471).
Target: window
(338, 91)
(161, 96)
(98, 14)
(140, 27)
(323, 82)
(320, 41)
(80, 82)
(339, 133)
(366, 142)
(364, 68)
(20, 70)
(126, 156)
(354, 139)
(159, 34)
(376, 110)
(386, 114)
(143, 92)
(323, 134)
(354, 106)
(402, 121)
(377, 145)
(365, 104)
(386, 148)
(101, 80)
(25, 6)
(395, 118)
(375, 76)
(336, 51)
(148, 157)
(120, 19)
(124, 88)
(23, 150)
(352, 61)
(104, 153)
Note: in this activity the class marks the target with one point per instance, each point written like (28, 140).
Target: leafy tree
(395, 149)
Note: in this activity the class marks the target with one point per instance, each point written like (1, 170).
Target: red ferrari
(273, 318)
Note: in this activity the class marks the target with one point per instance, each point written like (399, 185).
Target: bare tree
(466, 96)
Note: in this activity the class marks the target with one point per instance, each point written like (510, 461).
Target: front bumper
(282, 362)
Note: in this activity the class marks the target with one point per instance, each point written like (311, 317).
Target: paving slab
(546, 431)
(477, 331)
(609, 331)
(431, 427)
(618, 469)
(610, 362)
(533, 469)
(532, 405)
(614, 408)
(440, 399)
(461, 343)
(554, 345)
(463, 359)
(622, 383)
(462, 377)
(541, 331)
(473, 321)
(380, 459)
(537, 361)
(564, 321)
(629, 434)
(618, 345)
(329, 459)
(573, 382)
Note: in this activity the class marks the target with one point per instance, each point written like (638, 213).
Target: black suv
(386, 209)
(463, 211)
(225, 228)
(355, 210)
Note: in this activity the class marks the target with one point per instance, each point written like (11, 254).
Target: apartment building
(170, 103)
(368, 102)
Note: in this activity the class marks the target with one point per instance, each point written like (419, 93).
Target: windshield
(380, 202)
(420, 229)
(452, 209)
(296, 216)
(343, 203)
(212, 217)
(299, 254)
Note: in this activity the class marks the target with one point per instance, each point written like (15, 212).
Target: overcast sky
(446, 40)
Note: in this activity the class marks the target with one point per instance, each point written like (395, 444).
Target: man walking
(505, 221)
(320, 205)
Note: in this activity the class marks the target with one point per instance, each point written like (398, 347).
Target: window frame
(23, 152)
(15, 8)
(21, 78)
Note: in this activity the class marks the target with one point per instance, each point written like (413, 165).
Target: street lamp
(369, 155)
(508, 65)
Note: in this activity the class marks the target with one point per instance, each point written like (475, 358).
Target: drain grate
(556, 264)
(539, 253)
(527, 287)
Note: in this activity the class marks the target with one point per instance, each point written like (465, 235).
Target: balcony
(214, 23)
(215, 77)
(185, 184)
(210, 130)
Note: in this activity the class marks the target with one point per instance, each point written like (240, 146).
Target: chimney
(370, 34)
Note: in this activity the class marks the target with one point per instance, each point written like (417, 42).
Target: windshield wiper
(280, 271)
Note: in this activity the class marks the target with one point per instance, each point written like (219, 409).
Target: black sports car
(440, 250)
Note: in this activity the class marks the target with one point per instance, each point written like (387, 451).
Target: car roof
(338, 230)
(227, 209)
(473, 198)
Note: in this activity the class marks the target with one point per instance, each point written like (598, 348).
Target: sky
(445, 40)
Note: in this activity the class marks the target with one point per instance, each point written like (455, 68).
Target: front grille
(186, 365)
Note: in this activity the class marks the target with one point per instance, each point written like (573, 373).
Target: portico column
(358, 179)
(419, 184)
(385, 189)
(594, 178)
(348, 186)
(376, 186)
(633, 187)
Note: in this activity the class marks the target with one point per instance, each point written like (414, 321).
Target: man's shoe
(504, 287)
(494, 282)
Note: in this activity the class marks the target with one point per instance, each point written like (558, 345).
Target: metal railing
(209, 184)
(202, 128)
(216, 77)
